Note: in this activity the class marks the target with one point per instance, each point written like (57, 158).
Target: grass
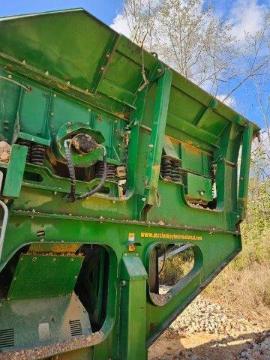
(245, 284)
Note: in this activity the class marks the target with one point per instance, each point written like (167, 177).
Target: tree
(187, 36)
(190, 37)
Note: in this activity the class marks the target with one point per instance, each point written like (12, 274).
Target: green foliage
(176, 267)
(256, 227)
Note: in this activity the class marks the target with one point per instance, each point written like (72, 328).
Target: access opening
(65, 285)
(169, 265)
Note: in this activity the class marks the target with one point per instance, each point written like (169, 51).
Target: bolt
(123, 283)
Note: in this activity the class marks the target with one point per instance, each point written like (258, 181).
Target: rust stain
(190, 146)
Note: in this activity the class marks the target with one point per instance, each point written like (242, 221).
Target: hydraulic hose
(72, 195)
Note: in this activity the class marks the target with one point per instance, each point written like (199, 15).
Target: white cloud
(120, 25)
(246, 17)
(230, 101)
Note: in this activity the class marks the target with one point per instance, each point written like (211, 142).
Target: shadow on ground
(203, 346)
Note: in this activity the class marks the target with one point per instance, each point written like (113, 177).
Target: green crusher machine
(122, 188)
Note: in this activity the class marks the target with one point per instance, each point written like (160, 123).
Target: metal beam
(157, 138)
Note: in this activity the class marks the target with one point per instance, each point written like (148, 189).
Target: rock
(204, 316)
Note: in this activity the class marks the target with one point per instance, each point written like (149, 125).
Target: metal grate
(6, 338)
(75, 327)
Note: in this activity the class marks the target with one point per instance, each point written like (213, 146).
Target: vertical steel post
(156, 142)
(132, 344)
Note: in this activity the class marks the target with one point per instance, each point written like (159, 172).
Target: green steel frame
(64, 71)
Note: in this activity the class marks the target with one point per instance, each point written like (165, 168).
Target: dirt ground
(203, 346)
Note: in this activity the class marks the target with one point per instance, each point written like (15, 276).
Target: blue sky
(105, 10)
(248, 13)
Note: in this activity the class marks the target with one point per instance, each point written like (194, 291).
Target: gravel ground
(207, 331)
(258, 349)
(204, 316)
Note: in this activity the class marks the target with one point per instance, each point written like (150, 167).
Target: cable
(71, 170)
(102, 180)
(15, 82)
(72, 195)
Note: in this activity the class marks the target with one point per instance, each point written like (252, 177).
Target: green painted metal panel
(36, 276)
(133, 309)
(15, 171)
(199, 187)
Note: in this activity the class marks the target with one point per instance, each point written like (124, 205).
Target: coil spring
(37, 154)
(166, 168)
(111, 171)
(176, 171)
(28, 145)
(170, 169)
